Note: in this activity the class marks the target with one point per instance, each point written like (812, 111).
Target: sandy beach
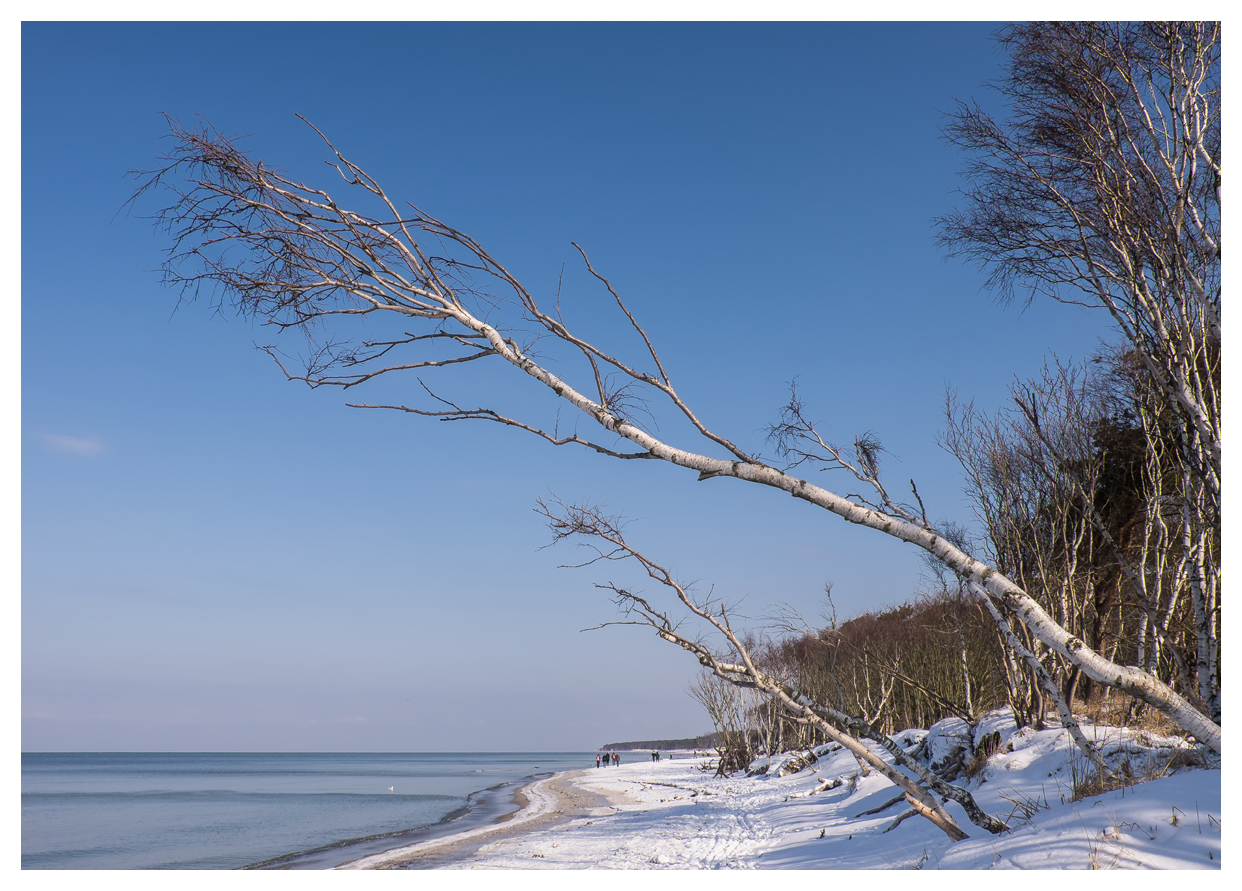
(542, 806)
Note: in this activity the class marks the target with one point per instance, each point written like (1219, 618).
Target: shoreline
(484, 809)
(479, 805)
(542, 804)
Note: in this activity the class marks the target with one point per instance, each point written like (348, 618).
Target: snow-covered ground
(673, 814)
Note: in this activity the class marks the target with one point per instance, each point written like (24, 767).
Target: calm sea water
(143, 810)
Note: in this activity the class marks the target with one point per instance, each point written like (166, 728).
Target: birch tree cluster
(1103, 188)
(1094, 567)
(1080, 492)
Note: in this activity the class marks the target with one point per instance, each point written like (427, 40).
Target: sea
(231, 810)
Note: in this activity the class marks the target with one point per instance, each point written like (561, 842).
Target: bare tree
(1102, 187)
(1034, 495)
(288, 253)
(727, 707)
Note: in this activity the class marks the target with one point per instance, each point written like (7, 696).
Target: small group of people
(602, 759)
(655, 756)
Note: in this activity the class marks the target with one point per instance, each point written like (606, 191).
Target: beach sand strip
(543, 805)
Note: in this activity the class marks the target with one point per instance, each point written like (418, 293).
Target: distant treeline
(707, 741)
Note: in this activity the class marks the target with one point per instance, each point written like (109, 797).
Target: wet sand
(544, 805)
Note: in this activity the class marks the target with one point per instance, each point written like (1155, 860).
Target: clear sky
(216, 559)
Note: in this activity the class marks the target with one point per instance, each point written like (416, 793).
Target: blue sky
(216, 559)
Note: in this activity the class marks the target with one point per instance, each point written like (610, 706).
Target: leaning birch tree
(290, 254)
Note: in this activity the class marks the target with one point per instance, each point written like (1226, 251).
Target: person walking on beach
(597, 760)
(616, 760)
